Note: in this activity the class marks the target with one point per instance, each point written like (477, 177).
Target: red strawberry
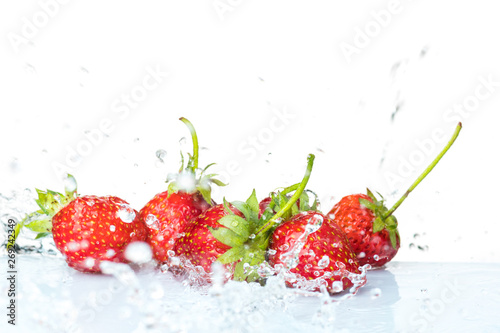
(198, 244)
(316, 251)
(93, 229)
(166, 216)
(370, 226)
(88, 229)
(372, 244)
(167, 213)
(236, 235)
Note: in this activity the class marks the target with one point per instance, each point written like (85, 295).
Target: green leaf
(42, 223)
(393, 235)
(378, 225)
(217, 182)
(231, 255)
(42, 234)
(253, 202)
(368, 204)
(206, 193)
(205, 169)
(227, 237)
(242, 207)
(371, 195)
(226, 207)
(237, 224)
(239, 272)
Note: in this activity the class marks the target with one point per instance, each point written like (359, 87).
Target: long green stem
(194, 137)
(300, 188)
(426, 171)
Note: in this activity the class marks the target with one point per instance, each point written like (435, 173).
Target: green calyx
(191, 179)
(249, 236)
(382, 221)
(50, 203)
(384, 218)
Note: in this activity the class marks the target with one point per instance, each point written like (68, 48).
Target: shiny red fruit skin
(171, 214)
(89, 230)
(198, 245)
(357, 222)
(329, 240)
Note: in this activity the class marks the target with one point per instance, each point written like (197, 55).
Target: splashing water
(138, 252)
(126, 213)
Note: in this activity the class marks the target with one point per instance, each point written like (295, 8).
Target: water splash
(126, 213)
(138, 252)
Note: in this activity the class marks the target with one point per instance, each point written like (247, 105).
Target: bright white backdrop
(372, 88)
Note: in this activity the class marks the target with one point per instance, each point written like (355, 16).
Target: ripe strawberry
(374, 240)
(198, 244)
(88, 229)
(316, 251)
(370, 226)
(167, 213)
(236, 235)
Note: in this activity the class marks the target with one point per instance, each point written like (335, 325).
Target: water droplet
(126, 213)
(73, 246)
(110, 253)
(375, 293)
(138, 252)
(234, 223)
(84, 70)
(284, 247)
(361, 255)
(151, 221)
(314, 223)
(252, 236)
(112, 228)
(324, 262)
(161, 155)
(30, 68)
(316, 273)
(89, 262)
(376, 257)
(307, 267)
(271, 251)
(70, 183)
(423, 291)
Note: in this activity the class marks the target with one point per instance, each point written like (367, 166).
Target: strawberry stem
(298, 191)
(426, 172)
(194, 137)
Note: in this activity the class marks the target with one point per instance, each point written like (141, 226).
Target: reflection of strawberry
(313, 247)
(87, 229)
(370, 226)
(167, 213)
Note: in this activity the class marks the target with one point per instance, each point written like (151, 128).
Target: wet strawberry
(93, 229)
(316, 251)
(371, 228)
(167, 213)
(86, 229)
(199, 245)
(374, 242)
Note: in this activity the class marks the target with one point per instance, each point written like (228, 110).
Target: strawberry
(234, 234)
(198, 244)
(374, 240)
(167, 213)
(86, 229)
(370, 226)
(316, 252)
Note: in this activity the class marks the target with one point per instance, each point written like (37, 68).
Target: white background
(232, 67)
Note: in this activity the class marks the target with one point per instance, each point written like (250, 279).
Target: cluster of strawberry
(282, 234)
